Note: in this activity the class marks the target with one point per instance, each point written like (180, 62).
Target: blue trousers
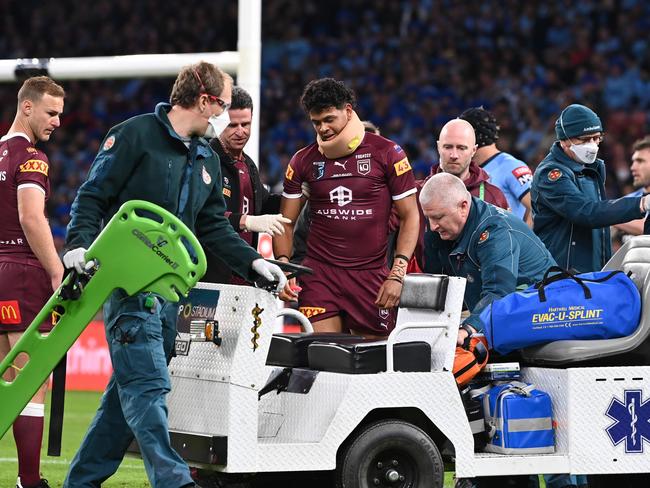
(562, 480)
(140, 341)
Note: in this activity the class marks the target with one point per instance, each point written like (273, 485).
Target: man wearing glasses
(571, 212)
(162, 157)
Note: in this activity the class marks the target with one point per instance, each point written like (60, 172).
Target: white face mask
(585, 153)
(216, 125)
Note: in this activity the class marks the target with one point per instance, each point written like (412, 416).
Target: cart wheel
(391, 453)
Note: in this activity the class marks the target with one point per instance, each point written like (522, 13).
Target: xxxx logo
(34, 166)
(309, 312)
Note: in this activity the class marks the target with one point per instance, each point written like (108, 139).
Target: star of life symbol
(342, 195)
(631, 421)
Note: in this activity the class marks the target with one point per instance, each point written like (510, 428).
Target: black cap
(484, 123)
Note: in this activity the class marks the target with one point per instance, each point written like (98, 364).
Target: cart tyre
(391, 453)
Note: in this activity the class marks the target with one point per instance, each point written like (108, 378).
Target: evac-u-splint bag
(599, 305)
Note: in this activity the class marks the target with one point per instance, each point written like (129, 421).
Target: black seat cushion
(364, 356)
(290, 350)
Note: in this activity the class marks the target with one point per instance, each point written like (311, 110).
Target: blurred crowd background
(414, 65)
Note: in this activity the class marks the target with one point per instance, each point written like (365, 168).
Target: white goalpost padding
(245, 64)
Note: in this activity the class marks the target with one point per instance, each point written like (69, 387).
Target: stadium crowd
(414, 64)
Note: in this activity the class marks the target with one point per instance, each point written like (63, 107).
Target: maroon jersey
(350, 200)
(246, 197)
(21, 166)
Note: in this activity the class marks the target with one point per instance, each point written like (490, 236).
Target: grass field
(79, 410)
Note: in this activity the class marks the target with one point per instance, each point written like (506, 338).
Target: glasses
(213, 98)
(595, 138)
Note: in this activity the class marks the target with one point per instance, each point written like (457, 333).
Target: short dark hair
(195, 79)
(34, 88)
(642, 144)
(322, 94)
(241, 99)
(484, 123)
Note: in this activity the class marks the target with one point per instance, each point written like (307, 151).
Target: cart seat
(290, 350)
(632, 350)
(362, 356)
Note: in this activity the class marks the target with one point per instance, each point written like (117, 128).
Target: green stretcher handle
(143, 248)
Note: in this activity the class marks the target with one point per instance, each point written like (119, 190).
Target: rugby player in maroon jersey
(354, 177)
(30, 268)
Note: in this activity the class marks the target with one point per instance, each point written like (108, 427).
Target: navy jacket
(571, 214)
(496, 252)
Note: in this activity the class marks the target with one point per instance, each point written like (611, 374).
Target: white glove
(271, 224)
(645, 204)
(270, 271)
(76, 258)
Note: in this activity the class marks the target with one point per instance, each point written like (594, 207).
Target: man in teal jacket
(163, 158)
(571, 214)
(492, 248)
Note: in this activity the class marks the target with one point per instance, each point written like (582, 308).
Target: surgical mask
(586, 153)
(216, 125)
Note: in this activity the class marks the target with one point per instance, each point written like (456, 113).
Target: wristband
(277, 258)
(401, 256)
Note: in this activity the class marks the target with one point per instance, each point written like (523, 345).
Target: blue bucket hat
(577, 120)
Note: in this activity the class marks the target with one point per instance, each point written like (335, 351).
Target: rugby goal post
(244, 64)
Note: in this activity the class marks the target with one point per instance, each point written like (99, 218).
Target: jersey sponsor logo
(523, 174)
(483, 237)
(342, 165)
(289, 174)
(13, 242)
(3, 176)
(341, 196)
(310, 312)
(30, 149)
(10, 312)
(319, 170)
(227, 192)
(402, 166)
(554, 174)
(207, 179)
(109, 143)
(4, 153)
(346, 213)
(398, 148)
(34, 166)
(631, 417)
(363, 166)
(363, 156)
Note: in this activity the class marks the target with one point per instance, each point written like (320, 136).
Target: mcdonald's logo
(10, 312)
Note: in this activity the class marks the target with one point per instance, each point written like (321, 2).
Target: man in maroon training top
(354, 177)
(30, 269)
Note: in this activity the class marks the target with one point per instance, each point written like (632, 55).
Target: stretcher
(142, 248)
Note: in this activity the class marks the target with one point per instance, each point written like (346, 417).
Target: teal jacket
(496, 252)
(143, 158)
(571, 214)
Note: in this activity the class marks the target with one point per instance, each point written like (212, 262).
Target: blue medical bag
(519, 419)
(564, 306)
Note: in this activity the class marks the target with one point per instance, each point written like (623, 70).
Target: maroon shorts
(350, 293)
(24, 289)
